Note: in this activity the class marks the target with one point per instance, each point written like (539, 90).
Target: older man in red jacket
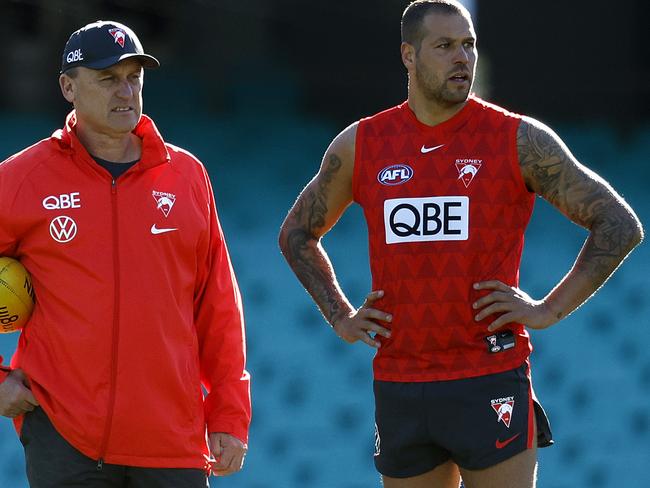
(138, 312)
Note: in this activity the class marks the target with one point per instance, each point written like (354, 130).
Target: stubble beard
(436, 90)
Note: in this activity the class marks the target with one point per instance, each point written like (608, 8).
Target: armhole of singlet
(355, 163)
(514, 158)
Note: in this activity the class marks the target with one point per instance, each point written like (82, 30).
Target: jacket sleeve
(7, 239)
(222, 341)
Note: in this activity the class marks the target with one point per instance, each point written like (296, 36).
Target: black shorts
(51, 462)
(476, 422)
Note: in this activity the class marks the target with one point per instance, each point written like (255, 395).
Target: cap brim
(147, 61)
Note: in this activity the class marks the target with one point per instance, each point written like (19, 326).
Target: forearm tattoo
(302, 249)
(550, 170)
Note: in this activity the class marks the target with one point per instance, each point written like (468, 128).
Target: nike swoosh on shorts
(501, 444)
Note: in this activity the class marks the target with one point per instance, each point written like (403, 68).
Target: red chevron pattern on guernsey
(419, 252)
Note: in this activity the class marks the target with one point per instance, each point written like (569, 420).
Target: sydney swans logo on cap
(119, 35)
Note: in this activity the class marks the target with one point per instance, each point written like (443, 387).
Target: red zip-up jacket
(137, 306)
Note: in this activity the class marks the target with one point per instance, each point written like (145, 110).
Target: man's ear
(68, 87)
(408, 55)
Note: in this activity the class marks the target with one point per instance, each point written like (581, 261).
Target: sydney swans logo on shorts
(504, 408)
(426, 219)
(467, 169)
(164, 201)
(119, 35)
(395, 174)
(63, 229)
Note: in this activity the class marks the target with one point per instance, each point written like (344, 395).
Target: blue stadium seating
(313, 408)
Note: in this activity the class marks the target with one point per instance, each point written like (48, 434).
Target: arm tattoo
(301, 247)
(551, 171)
(315, 207)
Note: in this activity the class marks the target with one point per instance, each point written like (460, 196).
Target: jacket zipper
(116, 330)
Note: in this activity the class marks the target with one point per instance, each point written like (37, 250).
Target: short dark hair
(413, 16)
(72, 72)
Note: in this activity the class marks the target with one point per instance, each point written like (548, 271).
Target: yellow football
(16, 295)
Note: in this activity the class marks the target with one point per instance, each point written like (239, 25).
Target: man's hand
(15, 396)
(360, 324)
(228, 453)
(513, 305)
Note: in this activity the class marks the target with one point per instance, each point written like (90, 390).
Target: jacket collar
(154, 151)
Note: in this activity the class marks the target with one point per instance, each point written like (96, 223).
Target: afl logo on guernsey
(395, 174)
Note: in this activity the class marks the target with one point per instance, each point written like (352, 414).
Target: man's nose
(124, 90)
(462, 55)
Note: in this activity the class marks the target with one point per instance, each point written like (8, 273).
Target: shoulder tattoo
(551, 171)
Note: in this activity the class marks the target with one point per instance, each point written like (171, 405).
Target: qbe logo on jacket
(426, 219)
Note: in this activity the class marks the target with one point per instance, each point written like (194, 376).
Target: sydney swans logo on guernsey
(467, 169)
(504, 408)
(426, 219)
(164, 201)
(395, 174)
(63, 229)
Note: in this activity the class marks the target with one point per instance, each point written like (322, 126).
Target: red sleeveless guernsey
(446, 206)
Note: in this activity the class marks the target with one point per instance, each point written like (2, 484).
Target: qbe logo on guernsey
(426, 219)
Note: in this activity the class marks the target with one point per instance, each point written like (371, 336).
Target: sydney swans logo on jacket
(164, 201)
